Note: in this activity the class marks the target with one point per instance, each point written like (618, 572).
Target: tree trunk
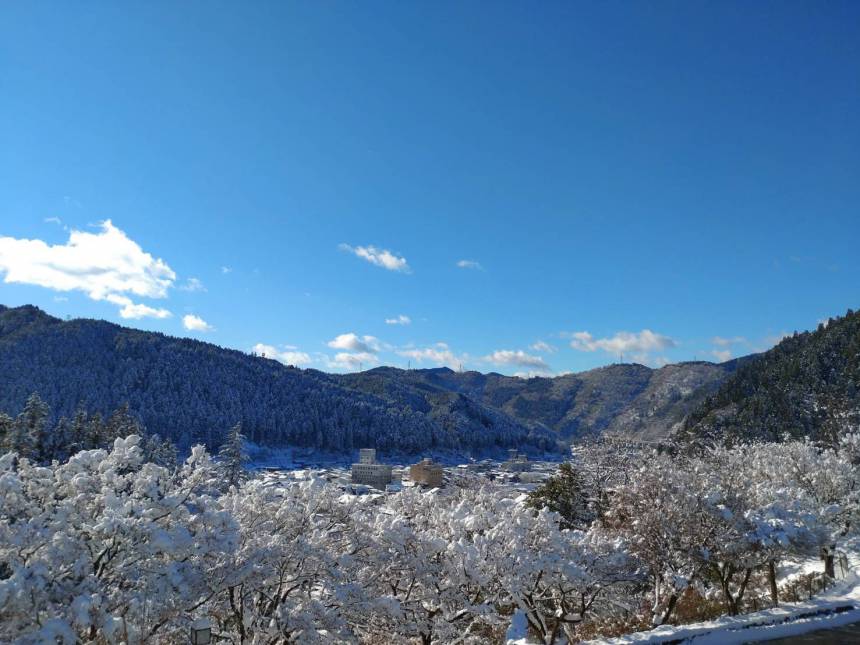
(771, 578)
(830, 565)
(656, 606)
(673, 600)
(733, 603)
(725, 574)
(743, 588)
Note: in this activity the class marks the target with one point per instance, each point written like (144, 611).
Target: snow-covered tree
(565, 493)
(119, 545)
(232, 457)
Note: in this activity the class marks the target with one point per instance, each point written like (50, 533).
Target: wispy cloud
(54, 220)
(438, 354)
(106, 265)
(770, 341)
(135, 311)
(225, 270)
(288, 354)
(352, 360)
(399, 320)
(354, 343)
(723, 346)
(378, 257)
(470, 264)
(195, 323)
(722, 341)
(722, 355)
(192, 285)
(541, 346)
(644, 341)
(517, 358)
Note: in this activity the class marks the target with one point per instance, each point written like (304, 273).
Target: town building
(517, 462)
(368, 472)
(426, 473)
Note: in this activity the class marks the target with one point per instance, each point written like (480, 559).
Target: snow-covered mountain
(623, 398)
(806, 386)
(194, 391)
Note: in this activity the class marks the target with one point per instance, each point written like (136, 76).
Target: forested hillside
(806, 386)
(193, 392)
(630, 399)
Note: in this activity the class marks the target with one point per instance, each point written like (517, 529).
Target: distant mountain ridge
(194, 391)
(628, 399)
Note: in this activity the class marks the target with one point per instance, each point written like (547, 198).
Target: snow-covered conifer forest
(114, 545)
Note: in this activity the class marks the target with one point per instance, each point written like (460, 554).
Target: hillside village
(517, 474)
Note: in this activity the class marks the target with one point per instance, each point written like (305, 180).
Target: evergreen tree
(564, 493)
(60, 442)
(232, 457)
(95, 435)
(78, 439)
(121, 424)
(7, 427)
(167, 455)
(160, 451)
(30, 436)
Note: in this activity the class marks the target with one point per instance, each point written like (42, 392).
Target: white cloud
(355, 343)
(379, 257)
(518, 358)
(54, 220)
(541, 346)
(226, 269)
(470, 264)
(135, 311)
(722, 355)
(192, 284)
(645, 341)
(727, 342)
(105, 265)
(195, 323)
(400, 320)
(438, 354)
(289, 355)
(352, 360)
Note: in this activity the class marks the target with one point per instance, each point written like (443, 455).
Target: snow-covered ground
(838, 606)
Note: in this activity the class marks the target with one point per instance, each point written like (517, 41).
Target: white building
(368, 472)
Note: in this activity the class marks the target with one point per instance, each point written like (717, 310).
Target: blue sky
(669, 180)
